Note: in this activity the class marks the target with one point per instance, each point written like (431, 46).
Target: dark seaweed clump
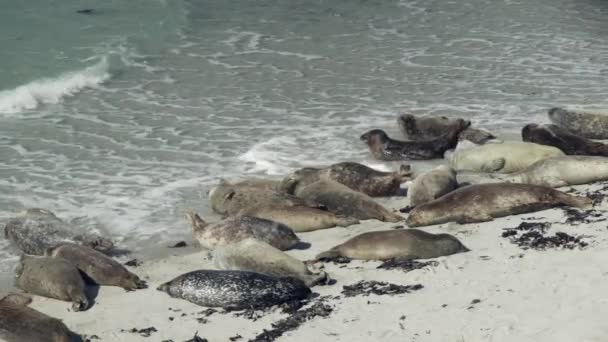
(365, 288)
(297, 318)
(337, 260)
(143, 332)
(254, 314)
(134, 263)
(405, 265)
(576, 216)
(533, 235)
(406, 210)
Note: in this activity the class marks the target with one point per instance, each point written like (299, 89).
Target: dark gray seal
(53, 278)
(19, 323)
(235, 229)
(484, 202)
(35, 230)
(570, 144)
(358, 177)
(405, 244)
(235, 289)
(99, 267)
(431, 127)
(384, 148)
(586, 124)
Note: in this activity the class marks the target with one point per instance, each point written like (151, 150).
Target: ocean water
(122, 119)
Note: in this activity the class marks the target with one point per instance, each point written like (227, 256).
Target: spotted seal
(234, 229)
(588, 124)
(432, 185)
(571, 144)
(34, 230)
(431, 127)
(235, 290)
(404, 244)
(484, 202)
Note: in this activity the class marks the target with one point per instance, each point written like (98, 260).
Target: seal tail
(195, 220)
(328, 255)
(392, 217)
(164, 287)
(581, 202)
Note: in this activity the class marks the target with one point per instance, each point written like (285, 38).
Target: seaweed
(365, 288)
(405, 265)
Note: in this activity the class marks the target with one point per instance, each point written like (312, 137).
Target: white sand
(525, 295)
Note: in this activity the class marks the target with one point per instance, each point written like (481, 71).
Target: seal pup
(484, 202)
(384, 148)
(432, 185)
(505, 157)
(20, 323)
(234, 229)
(592, 125)
(53, 278)
(405, 244)
(358, 177)
(258, 256)
(235, 290)
(431, 127)
(34, 230)
(562, 171)
(571, 144)
(300, 219)
(99, 267)
(341, 200)
(228, 199)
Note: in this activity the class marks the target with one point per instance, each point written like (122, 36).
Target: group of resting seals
(262, 218)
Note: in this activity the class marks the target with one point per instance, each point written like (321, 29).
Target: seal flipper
(405, 172)
(328, 255)
(494, 165)
(553, 182)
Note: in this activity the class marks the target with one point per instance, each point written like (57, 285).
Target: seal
(258, 256)
(228, 199)
(53, 278)
(431, 127)
(300, 219)
(34, 230)
(358, 177)
(384, 148)
(562, 171)
(404, 244)
(341, 200)
(257, 183)
(484, 202)
(235, 229)
(432, 185)
(571, 144)
(234, 290)
(592, 125)
(505, 157)
(20, 323)
(99, 267)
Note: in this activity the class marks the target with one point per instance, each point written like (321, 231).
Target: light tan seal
(341, 200)
(403, 244)
(228, 199)
(258, 256)
(235, 229)
(99, 267)
(53, 278)
(484, 202)
(432, 185)
(257, 183)
(19, 323)
(300, 219)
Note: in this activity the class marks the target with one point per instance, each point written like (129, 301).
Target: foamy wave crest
(52, 90)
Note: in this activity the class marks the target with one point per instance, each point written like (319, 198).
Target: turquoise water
(124, 118)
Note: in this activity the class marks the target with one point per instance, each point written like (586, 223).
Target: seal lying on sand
(561, 171)
(235, 229)
(431, 127)
(19, 323)
(341, 200)
(300, 219)
(357, 177)
(99, 267)
(484, 202)
(404, 244)
(258, 256)
(235, 289)
(384, 148)
(506, 157)
(257, 183)
(34, 230)
(53, 278)
(553, 135)
(432, 185)
(592, 125)
(228, 199)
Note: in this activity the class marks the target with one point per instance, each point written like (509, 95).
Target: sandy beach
(498, 291)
